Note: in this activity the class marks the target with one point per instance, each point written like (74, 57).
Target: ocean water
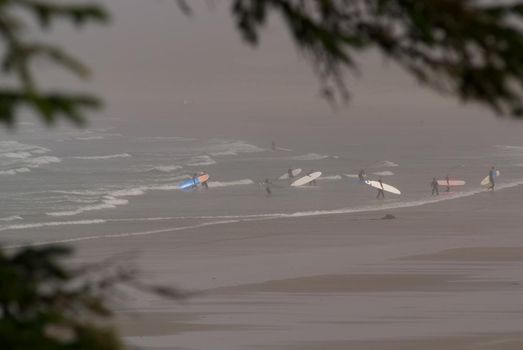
(117, 180)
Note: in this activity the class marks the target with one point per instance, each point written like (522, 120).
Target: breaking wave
(310, 156)
(109, 156)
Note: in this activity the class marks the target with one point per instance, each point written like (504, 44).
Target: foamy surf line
(123, 235)
(260, 217)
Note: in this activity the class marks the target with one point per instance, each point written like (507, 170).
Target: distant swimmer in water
(361, 175)
(267, 184)
(447, 179)
(381, 193)
(291, 175)
(435, 187)
(492, 176)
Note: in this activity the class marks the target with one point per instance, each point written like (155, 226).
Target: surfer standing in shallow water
(492, 176)
(448, 183)
(435, 187)
(268, 184)
(291, 175)
(381, 193)
(361, 175)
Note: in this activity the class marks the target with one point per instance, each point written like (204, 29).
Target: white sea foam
(88, 138)
(510, 148)
(331, 177)
(232, 147)
(169, 138)
(384, 173)
(201, 161)
(109, 156)
(11, 218)
(15, 146)
(310, 156)
(387, 163)
(242, 218)
(16, 157)
(19, 155)
(230, 183)
(137, 191)
(54, 223)
(352, 176)
(14, 171)
(166, 168)
(36, 162)
(108, 202)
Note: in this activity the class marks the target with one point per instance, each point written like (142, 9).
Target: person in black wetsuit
(381, 193)
(492, 177)
(435, 187)
(361, 175)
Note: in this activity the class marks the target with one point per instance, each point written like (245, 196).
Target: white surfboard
(306, 179)
(451, 183)
(486, 180)
(295, 172)
(386, 187)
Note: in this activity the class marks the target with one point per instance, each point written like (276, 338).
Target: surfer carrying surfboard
(361, 175)
(435, 187)
(492, 176)
(381, 193)
(313, 182)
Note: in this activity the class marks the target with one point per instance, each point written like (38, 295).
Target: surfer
(267, 184)
(361, 175)
(291, 175)
(435, 187)
(447, 179)
(205, 185)
(194, 177)
(491, 176)
(381, 193)
(273, 146)
(313, 182)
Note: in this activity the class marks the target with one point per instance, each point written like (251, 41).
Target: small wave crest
(166, 168)
(384, 173)
(108, 202)
(50, 224)
(16, 157)
(230, 183)
(387, 164)
(232, 147)
(109, 156)
(11, 218)
(201, 161)
(310, 156)
(331, 177)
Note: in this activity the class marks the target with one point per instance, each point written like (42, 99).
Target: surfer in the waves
(194, 177)
(492, 177)
(381, 193)
(268, 184)
(291, 175)
(361, 175)
(205, 183)
(435, 187)
(313, 182)
(448, 183)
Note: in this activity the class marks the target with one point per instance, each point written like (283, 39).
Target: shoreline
(337, 281)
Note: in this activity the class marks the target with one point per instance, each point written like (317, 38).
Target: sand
(441, 276)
